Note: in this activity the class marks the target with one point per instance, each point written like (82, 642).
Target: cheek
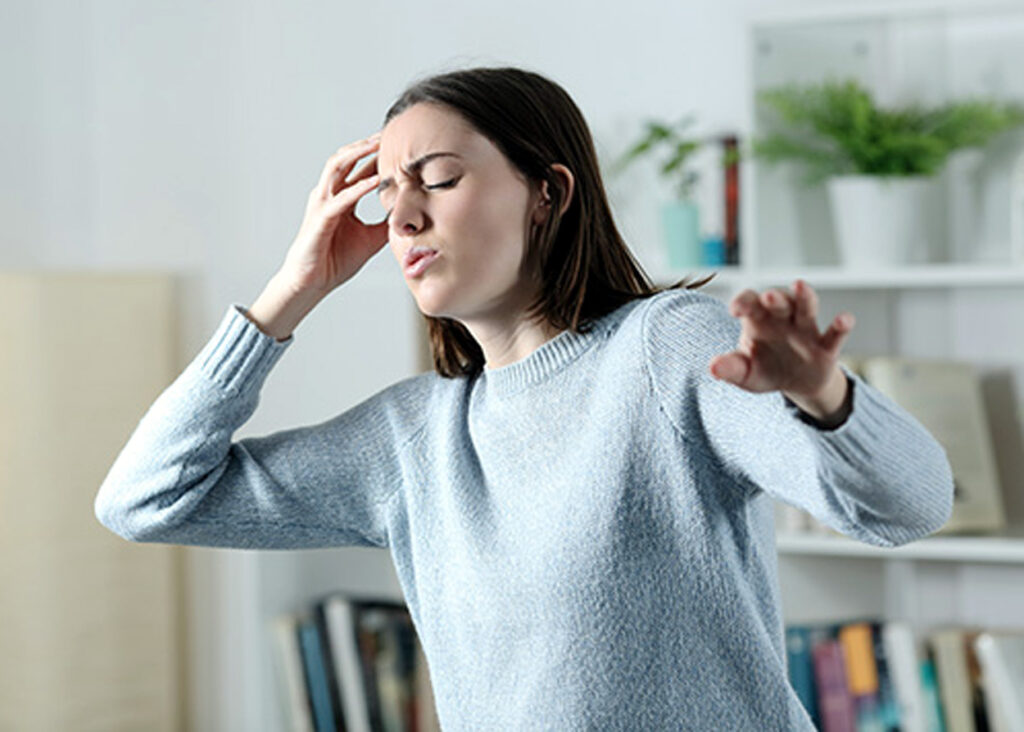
(491, 225)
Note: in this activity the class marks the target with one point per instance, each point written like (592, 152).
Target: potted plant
(680, 217)
(879, 165)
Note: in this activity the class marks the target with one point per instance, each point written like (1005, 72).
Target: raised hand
(781, 349)
(332, 243)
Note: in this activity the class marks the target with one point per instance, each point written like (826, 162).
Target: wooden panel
(89, 623)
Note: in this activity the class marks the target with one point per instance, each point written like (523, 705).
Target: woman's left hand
(780, 349)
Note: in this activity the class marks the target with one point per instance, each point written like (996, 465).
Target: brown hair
(583, 267)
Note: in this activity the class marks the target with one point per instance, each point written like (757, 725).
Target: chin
(432, 302)
(431, 308)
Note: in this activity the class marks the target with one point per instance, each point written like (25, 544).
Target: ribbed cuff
(239, 355)
(848, 406)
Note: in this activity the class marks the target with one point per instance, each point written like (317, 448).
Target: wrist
(830, 405)
(281, 307)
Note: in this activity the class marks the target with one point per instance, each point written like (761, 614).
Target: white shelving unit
(971, 308)
(966, 305)
(922, 276)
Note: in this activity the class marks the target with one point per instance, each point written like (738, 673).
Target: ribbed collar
(551, 357)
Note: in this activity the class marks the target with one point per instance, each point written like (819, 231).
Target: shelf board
(840, 278)
(1002, 549)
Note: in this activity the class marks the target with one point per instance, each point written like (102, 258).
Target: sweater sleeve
(879, 477)
(181, 480)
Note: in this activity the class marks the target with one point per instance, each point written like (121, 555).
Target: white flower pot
(881, 220)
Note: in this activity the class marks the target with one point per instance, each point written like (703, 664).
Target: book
(1001, 658)
(342, 631)
(861, 674)
(352, 664)
(905, 663)
(870, 675)
(934, 718)
(800, 665)
(949, 650)
(945, 397)
(888, 704)
(731, 190)
(291, 674)
(324, 714)
(835, 701)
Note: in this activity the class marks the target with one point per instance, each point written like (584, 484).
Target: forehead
(422, 129)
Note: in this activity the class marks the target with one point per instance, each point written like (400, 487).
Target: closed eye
(445, 184)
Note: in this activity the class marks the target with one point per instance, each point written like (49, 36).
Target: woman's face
(466, 202)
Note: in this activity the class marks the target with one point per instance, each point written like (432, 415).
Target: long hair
(579, 261)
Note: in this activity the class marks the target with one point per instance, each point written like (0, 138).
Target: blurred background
(156, 159)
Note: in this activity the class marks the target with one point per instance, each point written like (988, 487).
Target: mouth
(417, 259)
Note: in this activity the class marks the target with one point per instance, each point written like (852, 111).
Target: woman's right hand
(332, 243)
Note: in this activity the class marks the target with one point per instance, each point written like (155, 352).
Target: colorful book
(861, 674)
(934, 718)
(835, 702)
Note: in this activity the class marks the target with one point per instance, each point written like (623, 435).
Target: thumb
(732, 367)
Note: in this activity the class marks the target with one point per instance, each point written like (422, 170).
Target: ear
(544, 204)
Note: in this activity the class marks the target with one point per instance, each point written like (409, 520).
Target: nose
(407, 216)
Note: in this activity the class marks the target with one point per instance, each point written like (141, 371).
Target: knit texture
(584, 537)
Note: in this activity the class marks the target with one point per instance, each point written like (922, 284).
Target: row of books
(349, 664)
(875, 676)
(945, 396)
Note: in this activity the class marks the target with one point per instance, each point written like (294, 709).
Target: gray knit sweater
(584, 537)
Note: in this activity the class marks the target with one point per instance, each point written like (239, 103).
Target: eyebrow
(416, 165)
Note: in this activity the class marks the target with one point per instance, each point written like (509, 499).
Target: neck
(507, 341)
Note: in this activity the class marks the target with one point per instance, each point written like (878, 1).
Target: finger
(350, 195)
(341, 162)
(837, 332)
(367, 169)
(747, 304)
(346, 160)
(777, 303)
(733, 367)
(806, 306)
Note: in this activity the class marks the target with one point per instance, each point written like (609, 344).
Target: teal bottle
(681, 226)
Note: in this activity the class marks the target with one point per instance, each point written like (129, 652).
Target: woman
(578, 501)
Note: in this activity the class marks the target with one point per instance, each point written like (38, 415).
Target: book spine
(292, 676)
(316, 676)
(834, 699)
(330, 672)
(731, 236)
(801, 669)
(932, 705)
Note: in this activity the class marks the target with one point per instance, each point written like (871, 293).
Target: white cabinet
(967, 305)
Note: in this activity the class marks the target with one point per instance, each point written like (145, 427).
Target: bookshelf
(1007, 549)
(928, 310)
(934, 276)
(967, 303)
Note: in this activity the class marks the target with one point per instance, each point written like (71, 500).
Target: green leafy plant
(836, 128)
(681, 147)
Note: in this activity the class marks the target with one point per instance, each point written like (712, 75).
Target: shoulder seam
(648, 359)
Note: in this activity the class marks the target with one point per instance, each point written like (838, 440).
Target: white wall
(185, 135)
